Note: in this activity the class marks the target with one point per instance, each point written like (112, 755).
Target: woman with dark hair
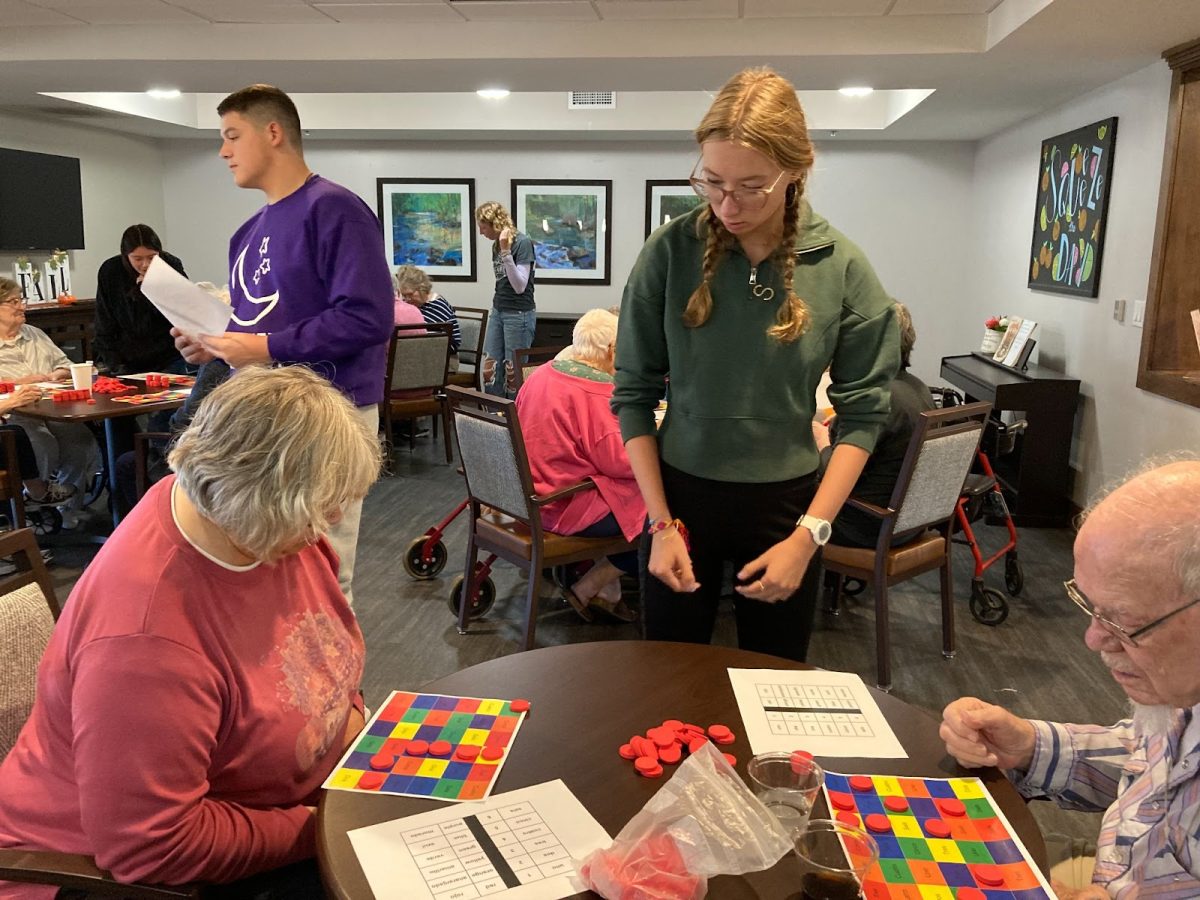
(131, 334)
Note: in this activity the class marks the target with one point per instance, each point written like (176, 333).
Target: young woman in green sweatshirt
(743, 303)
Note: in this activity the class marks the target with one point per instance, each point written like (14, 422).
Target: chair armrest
(77, 871)
(585, 485)
(870, 509)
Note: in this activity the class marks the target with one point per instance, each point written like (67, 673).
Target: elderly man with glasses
(1137, 577)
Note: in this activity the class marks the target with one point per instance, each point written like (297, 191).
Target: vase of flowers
(993, 331)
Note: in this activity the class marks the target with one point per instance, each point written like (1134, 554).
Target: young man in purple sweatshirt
(309, 279)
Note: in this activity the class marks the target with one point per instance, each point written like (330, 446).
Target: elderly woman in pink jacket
(571, 434)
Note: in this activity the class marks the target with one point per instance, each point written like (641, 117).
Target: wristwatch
(820, 528)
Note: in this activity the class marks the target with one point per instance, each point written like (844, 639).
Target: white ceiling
(990, 63)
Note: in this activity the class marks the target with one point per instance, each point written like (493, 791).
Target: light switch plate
(1119, 310)
(1139, 313)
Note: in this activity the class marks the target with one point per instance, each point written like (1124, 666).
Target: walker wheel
(988, 605)
(415, 563)
(483, 603)
(45, 520)
(1014, 578)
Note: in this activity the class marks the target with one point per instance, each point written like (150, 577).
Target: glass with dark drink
(834, 857)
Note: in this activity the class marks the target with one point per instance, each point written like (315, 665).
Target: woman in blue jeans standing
(510, 325)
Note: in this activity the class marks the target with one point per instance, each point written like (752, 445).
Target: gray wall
(889, 197)
(1119, 425)
(122, 182)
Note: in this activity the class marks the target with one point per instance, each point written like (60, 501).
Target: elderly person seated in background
(910, 398)
(1137, 579)
(203, 679)
(413, 287)
(571, 434)
(66, 452)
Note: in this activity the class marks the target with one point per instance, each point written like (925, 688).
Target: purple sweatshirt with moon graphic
(310, 272)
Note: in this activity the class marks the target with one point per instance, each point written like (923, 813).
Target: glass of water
(787, 784)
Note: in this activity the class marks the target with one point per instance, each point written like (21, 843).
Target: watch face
(824, 532)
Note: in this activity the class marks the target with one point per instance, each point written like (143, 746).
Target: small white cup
(81, 376)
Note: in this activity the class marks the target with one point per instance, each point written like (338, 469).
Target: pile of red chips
(158, 381)
(654, 867)
(70, 396)
(7, 387)
(106, 385)
(667, 742)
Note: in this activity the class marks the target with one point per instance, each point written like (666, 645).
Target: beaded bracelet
(663, 524)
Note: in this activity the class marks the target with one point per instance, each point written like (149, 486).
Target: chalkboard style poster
(1074, 180)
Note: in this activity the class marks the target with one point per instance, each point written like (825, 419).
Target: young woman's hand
(670, 562)
(777, 574)
(506, 239)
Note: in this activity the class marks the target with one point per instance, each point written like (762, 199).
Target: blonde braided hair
(757, 108)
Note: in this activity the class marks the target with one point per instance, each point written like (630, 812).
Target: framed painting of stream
(430, 223)
(569, 223)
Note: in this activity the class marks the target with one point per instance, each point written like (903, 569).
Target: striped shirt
(1149, 843)
(436, 309)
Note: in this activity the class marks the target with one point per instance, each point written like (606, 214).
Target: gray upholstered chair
(472, 323)
(415, 384)
(939, 457)
(28, 611)
(505, 509)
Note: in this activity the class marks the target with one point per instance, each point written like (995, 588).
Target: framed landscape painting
(667, 200)
(429, 222)
(569, 224)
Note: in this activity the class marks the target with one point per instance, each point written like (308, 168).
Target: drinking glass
(834, 858)
(787, 784)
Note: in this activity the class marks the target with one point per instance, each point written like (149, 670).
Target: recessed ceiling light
(856, 91)
(163, 93)
(493, 93)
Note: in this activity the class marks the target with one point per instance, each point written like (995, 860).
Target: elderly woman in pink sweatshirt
(203, 678)
(571, 434)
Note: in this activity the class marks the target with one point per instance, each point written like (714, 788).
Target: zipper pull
(761, 292)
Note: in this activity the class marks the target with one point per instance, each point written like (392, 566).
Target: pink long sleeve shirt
(186, 711)
(571, 434)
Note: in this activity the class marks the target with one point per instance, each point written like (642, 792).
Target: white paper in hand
(187, 307)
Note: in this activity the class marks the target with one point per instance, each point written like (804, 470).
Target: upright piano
(1036, 476)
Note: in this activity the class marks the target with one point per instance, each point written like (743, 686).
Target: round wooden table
(587, 699)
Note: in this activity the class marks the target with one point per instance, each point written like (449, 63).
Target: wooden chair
(415, 384)
(11, 489)
(528, 359)
(472, 323)
(505, 511)
(939, 457)
(28, 611)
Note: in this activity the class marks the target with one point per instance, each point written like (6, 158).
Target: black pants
(730, 522)
(627, 562)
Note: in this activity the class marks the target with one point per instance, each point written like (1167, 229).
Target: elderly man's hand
(980, 734)
(237, 349)
(190, 348)
(1091, 892)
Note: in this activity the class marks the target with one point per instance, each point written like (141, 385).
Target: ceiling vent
(591, 99)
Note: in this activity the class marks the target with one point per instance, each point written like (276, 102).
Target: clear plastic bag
(704, 821)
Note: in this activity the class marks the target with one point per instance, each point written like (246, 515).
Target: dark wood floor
(1035, 663)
